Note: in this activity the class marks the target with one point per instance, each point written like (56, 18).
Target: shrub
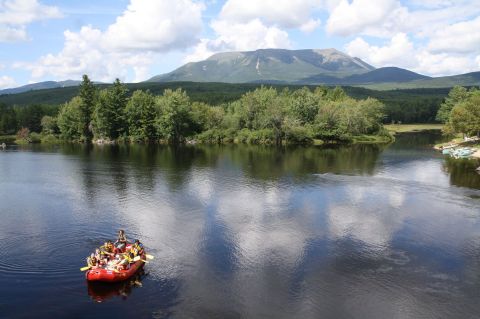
(23, 133)
(49, 139)
(35, 137)
(299, 135)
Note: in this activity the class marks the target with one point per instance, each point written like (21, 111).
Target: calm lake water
(243, 232)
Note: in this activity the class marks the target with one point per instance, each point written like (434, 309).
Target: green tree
(30, 116)
(465, 115)
(87, 94)
(108, 114)
(337, 94)
(70, 120)
(140, 114)
(174, 120)
(253, 106)
(304, 105)
(206, 117)
(49, 124)
(8, 122)
(456, 95)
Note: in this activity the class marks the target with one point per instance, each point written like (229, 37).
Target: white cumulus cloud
(15, 15)
(443, 63)
(361, 16)
(399, 51)
(125, 47)
(6, 82)
(244, 25)
(156, 26)
(284, 13)
(462, 37)
(252, 35)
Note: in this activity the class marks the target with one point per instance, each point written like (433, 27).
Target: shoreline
(458, 142)
(360, 139)
(410, 128)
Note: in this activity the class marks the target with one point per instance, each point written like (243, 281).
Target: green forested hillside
(407, 106)
(468, 79)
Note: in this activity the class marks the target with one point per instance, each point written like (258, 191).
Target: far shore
(405, 128)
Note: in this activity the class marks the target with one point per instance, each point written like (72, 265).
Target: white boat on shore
(464, 152)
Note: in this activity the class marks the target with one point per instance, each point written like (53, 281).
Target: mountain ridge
(267, 64)
(295, 67)
(40, 86)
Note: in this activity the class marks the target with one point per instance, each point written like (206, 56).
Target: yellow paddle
(149, 256)
(139, 258)
(85, 268)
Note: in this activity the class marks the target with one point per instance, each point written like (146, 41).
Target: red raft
(105, 275)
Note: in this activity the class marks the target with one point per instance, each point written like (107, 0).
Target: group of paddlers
(116, 256)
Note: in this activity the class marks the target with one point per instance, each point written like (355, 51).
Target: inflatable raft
(109, 275)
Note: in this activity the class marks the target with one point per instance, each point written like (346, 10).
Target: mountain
(40, 86)
(381, 75)
(282, 67)
(467, 79)
(307, 67)
(268, 65)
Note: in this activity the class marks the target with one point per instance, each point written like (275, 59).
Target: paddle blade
(137, 258)
(85, 268)
(149, 256)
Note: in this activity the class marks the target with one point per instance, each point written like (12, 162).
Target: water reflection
(100, 292)
(462, 172)
(260, 163)
(241, 231)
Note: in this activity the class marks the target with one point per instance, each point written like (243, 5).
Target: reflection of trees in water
(462, 172)
(145, 164)
(415, 140)
(269, 163)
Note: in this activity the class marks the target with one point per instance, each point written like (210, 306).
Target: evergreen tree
(88, 96)
(8, 122)
(108, 115)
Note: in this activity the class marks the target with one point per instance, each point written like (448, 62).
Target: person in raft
(137, 248)
(125, 262)
(121, 242)
(93, 262)
(108, 249)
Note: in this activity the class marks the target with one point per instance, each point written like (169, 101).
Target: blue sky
(136, 39)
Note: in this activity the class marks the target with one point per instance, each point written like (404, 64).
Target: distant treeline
(405, 106)
(262, 116)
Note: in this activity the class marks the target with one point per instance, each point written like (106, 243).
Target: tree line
(460, 112)
(263, 116)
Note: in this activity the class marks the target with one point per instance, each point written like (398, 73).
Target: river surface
(243, 232)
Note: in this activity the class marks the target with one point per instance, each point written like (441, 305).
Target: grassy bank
(8, 139)
(405, 128)
(372, 139)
